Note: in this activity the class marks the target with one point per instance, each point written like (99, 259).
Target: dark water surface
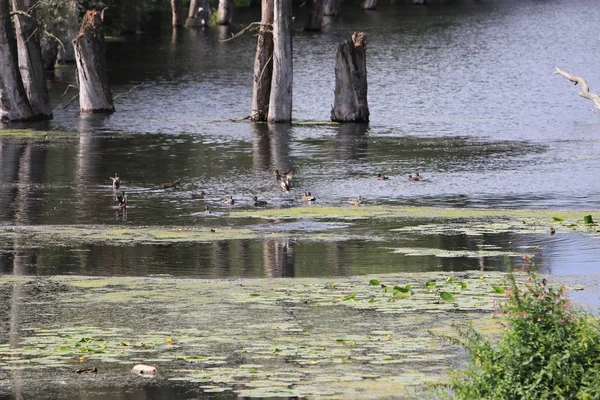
(464, 93)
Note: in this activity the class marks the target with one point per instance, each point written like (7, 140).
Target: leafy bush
(547, 350)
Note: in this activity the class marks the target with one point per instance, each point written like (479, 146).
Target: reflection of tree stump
(315, 17)
(94, 92)
(368, 4)
(14, 105)
(350, 104)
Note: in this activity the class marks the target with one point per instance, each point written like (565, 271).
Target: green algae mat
(355, 337)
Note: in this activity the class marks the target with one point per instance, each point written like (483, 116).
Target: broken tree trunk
(225, 12)
(263, 64)
(585, 89)
(280, 102)
(94, 92)
(332, 7)
(177, 10)
(14, 105)
(368, 4)
(30, 59)
(350, 104)
(315, 17)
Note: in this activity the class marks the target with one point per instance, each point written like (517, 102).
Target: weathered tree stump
(14, 105)
(368, 4)
(263, 64)
(225, 12)
(585, 89)
(332, 8)
(199, 14)
(30, 60)
(177, 11)
(280, 102)
(350, 104)
(315, 17)
(94, 91)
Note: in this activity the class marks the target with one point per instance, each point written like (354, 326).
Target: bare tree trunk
(177, 8)
(332, 7)
(94, 92)
(49, 52)
(225, 12)
(14, 105)
(199, 14)
(280, 102)
(350, 104)
(585, 89)
(315, 17)
(368, 4)
(263, 64)
(30, 60)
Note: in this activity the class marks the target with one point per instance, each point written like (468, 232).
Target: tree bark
(30, 60)
(177, 9)
(263, 64)
(350, 104)
(368, 4)
(14, 105)
(332, 7)
(280, 102)
(94, 92)
(315, 17)
(225, 12)
(585, 89)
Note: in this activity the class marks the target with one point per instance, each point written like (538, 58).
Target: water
(465, 93)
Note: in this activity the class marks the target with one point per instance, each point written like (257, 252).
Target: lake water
(465, 93)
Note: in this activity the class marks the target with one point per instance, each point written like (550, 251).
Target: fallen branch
(128, 92)
(240, 33)
(585, 89)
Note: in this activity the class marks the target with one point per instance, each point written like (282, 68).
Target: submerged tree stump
(368, 4)
(94, 91)
(177, 11)
(350, 104)
(225, 12)
(14, 105)
(263, 64)
(315, 17)
(280, 102)
(31, 64)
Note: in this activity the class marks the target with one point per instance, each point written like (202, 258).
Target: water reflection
(351, 142)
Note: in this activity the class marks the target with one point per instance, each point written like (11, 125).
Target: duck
(198, 196)
(229, 200)
(172, 185)
(116, 181)
(207, 210)
(382, 177)
(306, 196)
(284, 179)
(121, 200)
(355, 202)
(417, 177)
(259, 203)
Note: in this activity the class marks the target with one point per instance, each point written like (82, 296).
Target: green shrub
(547, 350)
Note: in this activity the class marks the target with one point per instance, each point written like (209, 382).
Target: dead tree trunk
(263, 64)
(30, 60)
(368, 4)
(177, 9)
(199, 14)
(225, 12)
(350, 104)
(14, 105)
(94, 92)
(280, 102)
(332, 7)
(585, 89)
(315, 17)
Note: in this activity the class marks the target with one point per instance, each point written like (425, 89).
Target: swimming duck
(355, 202)
(116, 181)
(259, 203)
(306, 196)
(417, 177)
(229, 200)
(121, 200)
(172, 185)
(284, 179)
(198, 196)
(382, 177)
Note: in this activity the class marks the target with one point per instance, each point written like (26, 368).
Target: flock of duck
(284, 179)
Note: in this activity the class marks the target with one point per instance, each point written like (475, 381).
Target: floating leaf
(430, 284)
(372, 300)
(254, 294)
(85, 340)
(276, 350)
(558, 218)
(498, 289)
(373, 282)
(462, 285)
(449, 279)
(403, 289)
(588, 219)
(350, 297)
(446, 296)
